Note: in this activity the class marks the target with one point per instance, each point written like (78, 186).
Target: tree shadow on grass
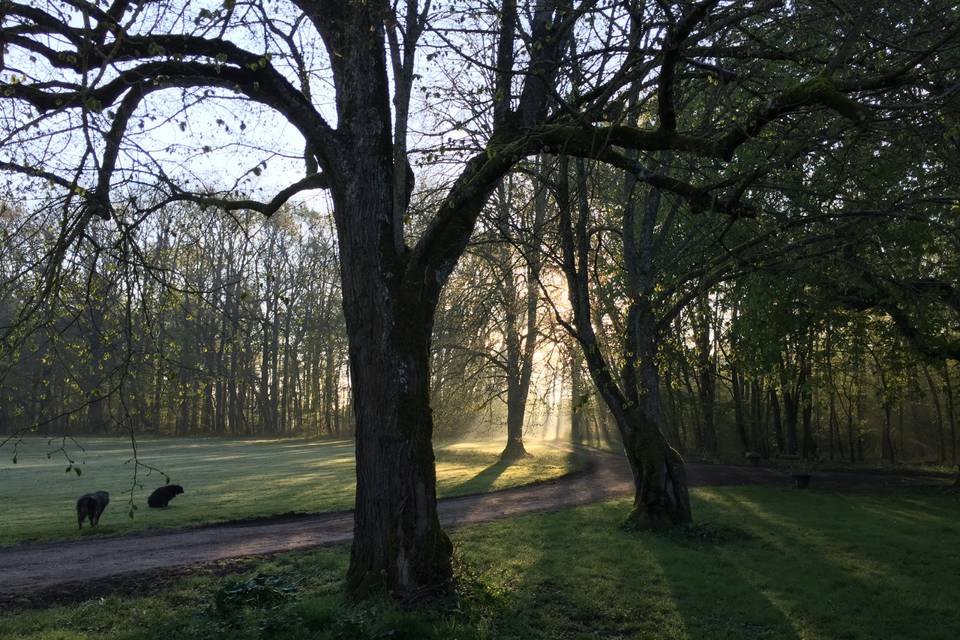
(481, 482)
(830, 569)
(577, 574)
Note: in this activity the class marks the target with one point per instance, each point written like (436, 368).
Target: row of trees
(232, 326)
(238, 331)
(759, 354)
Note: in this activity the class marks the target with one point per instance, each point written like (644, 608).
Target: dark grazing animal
(162, 496)
(91, 505)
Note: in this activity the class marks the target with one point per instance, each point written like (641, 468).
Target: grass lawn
(224, 479)
(765, 563)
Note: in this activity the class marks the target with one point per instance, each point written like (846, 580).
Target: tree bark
(661, 498)
(397, 542)
(951, 413)
(777, 420)
(738, 388)
(935, 395)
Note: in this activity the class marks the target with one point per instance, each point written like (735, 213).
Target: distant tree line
(234, 327)
(191, 323)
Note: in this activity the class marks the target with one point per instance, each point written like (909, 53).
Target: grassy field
(224, 480)
(766, 564)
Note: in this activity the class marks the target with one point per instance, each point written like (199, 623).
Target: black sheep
(91, 505)
(162, 496)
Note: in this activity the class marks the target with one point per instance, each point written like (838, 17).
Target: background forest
(198, 323)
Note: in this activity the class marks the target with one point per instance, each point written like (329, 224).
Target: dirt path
(32, 570)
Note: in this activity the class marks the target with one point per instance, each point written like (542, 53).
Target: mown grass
(224, 479)
(764, 563)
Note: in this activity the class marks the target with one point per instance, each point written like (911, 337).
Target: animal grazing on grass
(162, 496)
(91, 505)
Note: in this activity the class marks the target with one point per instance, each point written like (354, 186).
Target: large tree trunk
(390, 292)
(398, 543)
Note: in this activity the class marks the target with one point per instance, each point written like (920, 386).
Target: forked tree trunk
(398, 544)
(520, 358)
(661, 499)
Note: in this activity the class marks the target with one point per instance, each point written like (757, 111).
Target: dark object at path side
(31, 569)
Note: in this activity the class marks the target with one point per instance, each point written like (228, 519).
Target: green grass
(224, 479)
(764, 564)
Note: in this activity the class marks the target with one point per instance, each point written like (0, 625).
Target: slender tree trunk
(758, 438)
(809, 448)
(951, 413)
(886, 435)
(900, 424)
(674, 422)
(738, 387)
(935, 395)
(578, 392)
(851, 441)
(706, 376)
(777, 420)
(520, 358)
(328, 391)
(791, 407)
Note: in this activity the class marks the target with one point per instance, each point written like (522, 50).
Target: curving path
(29, 571)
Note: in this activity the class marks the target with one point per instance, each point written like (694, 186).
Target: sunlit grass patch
(224, 479)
